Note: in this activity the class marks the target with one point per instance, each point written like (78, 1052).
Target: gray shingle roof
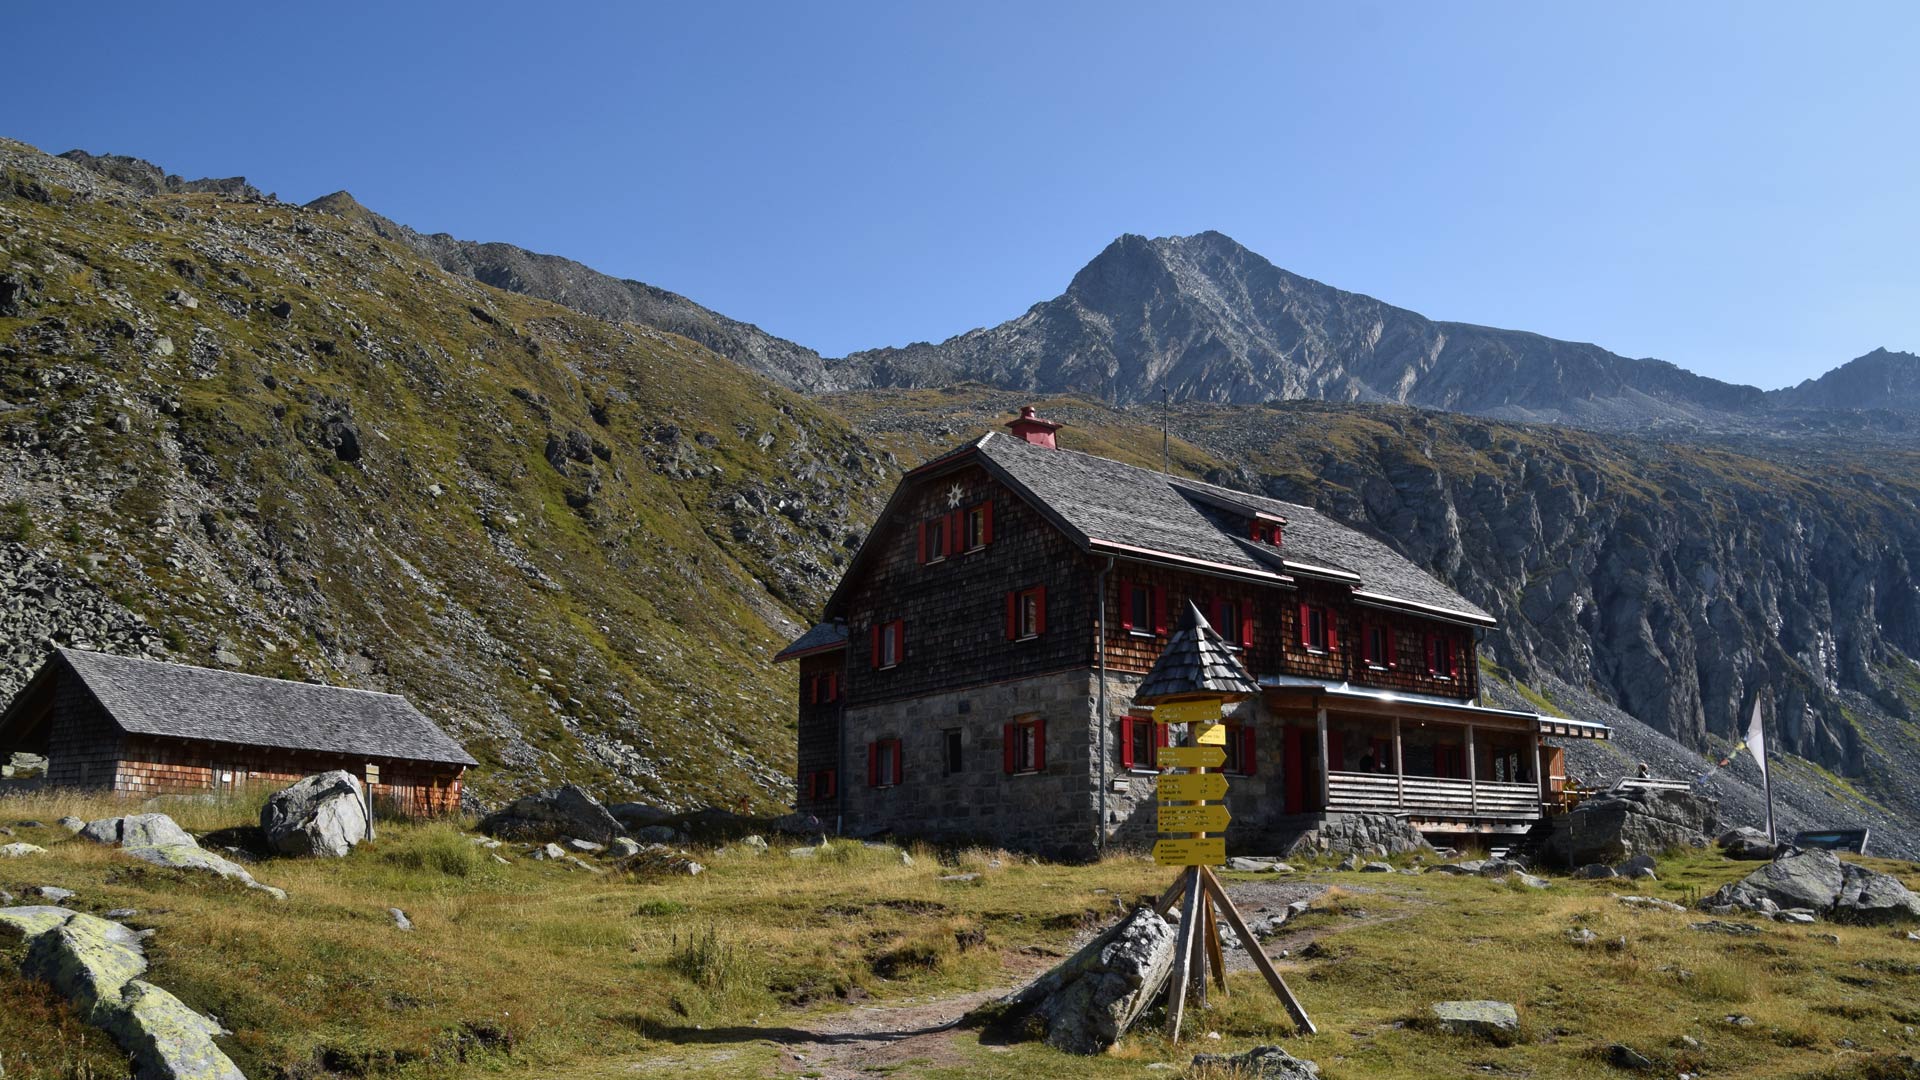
(147, 697)
(820, 636)
(1107, 500)
(1196, 661)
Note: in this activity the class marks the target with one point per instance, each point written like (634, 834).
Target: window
(1266, 532)
(1443, 657)
(823, 688)
(979, 527)
(1027, 613)
(820, 785)
(1376, 645)
(1140, 738)
(1025, 745)
(950, 745)
(1143, 609)
(1232, 622)
(933, 540)
(889, 643)
(1241, 748)
(1318, 632)
(883, 763)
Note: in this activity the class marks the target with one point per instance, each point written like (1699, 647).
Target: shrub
(711, 962)
(438, 849)
(661, 907)
(16, 522)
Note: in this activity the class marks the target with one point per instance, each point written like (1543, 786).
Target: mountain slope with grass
(240, 432)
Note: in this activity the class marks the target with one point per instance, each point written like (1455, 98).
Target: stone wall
(1051, 812)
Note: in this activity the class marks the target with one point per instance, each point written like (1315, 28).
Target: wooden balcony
(1432, 796)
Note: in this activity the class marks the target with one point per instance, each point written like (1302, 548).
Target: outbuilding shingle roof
(147, 697)
(1102, 500)
(818, 638)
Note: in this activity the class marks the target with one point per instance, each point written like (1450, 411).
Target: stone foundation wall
(1257, 802)
(165, 767)
(1051, 812)
(1365, 834)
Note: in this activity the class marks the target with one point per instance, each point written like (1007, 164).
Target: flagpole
(1766, 780)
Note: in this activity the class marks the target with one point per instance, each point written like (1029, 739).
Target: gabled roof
(147, 697)
(1112, 506)
(821, 637)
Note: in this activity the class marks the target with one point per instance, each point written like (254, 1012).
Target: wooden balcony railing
(1431, 794)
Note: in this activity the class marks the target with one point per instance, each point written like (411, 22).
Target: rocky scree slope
(1671, 582)
(240, 432)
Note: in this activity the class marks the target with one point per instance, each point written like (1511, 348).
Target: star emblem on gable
(954, 495)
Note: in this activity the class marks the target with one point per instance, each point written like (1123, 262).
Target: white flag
(1756, 739)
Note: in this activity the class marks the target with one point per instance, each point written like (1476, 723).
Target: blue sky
(1732, 187)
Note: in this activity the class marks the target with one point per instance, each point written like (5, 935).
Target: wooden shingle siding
(954, 609)
(83, 748)
(153, 766)
(819, 735)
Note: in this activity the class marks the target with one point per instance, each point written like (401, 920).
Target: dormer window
(1266, 532)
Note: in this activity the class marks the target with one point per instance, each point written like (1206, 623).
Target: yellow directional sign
(1210, 734)
(1208, 817)
(1211, 851)
(1193, 787)
(1192, 757)
(1204, 711)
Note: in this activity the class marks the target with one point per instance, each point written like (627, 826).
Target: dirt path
(868, 1041)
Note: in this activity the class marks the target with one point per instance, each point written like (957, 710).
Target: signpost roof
(1196, 664)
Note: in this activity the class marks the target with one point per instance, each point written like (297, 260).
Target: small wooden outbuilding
(149, 728)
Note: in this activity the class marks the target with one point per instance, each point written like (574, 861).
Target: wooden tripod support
(1197, 951)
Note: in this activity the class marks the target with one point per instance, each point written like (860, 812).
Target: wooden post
(1539, 774)
(1214, 952)
(372, 777)
(1256, 953)
(1473, 769)
(1326, 797)
(1399, 771)
(1183, 953)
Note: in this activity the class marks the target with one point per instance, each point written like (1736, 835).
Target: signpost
(1191, 682)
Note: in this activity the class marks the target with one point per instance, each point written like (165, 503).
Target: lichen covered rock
(96, 965)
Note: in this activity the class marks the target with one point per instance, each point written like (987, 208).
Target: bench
(1645, 783)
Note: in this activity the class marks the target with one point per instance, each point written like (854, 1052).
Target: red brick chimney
(1030, 428)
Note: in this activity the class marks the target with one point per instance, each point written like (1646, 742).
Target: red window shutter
(1246, 627)
(1126, 742)
(1126, 606)
(1040, 745)
(1247, 745)
(923, 542)
(1008, 733)
(873, 764)
(1159, 609)
(1305, 640)
(986, 523)
(899, 770)
(833, 687)
(876, 645)
(1333, 630)
(956, 530)
(1013, 614)
(1040, 610)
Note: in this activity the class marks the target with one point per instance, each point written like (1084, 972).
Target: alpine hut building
(974, 673)
(145, 728)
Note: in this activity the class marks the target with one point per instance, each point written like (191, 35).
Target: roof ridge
(63, 650)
